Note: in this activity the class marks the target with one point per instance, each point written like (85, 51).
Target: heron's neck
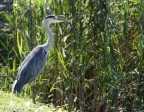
(49, 42)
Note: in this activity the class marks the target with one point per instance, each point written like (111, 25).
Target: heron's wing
(32, 65)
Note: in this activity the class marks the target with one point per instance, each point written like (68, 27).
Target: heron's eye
(54, 17)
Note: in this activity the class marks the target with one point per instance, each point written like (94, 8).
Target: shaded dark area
(5, 31)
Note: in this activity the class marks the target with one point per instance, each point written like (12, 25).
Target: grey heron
(35, 61)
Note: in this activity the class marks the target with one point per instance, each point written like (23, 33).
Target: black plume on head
(49, 17)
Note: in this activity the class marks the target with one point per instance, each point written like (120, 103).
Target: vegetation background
(97, 62)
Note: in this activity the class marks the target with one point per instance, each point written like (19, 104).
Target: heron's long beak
(63, 20)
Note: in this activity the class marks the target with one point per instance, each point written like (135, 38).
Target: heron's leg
(33, 91)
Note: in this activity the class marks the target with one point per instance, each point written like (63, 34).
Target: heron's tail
(13, 86)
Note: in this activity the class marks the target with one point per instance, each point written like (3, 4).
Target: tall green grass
(97, 60)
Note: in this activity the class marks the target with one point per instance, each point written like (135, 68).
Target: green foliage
(96, 61)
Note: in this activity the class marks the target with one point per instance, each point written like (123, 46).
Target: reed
(96, 63)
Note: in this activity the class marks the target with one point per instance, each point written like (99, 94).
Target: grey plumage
(35, 61)
(31, 67)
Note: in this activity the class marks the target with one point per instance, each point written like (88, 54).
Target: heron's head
(55, 19)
